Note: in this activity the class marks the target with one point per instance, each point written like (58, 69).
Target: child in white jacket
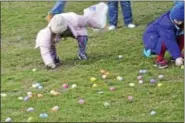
(69, 25)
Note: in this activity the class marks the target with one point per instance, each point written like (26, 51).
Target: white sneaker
(131, 25)
(112, 27)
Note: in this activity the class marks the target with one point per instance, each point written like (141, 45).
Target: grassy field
(20, 22)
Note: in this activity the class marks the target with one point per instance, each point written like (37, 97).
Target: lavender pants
(82, 42)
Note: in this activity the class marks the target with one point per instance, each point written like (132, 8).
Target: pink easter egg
(112, 88)
(130, 98)
(65, 86)
(139, 77)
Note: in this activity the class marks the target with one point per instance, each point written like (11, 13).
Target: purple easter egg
(26, 98)
(153, 81)
(81, 101)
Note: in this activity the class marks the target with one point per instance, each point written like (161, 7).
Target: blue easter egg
(40, 87)
(26, 98)
(43, 115)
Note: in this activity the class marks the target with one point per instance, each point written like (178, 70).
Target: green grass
(20, 23)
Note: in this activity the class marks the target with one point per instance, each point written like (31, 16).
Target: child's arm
(169, 38)
(47, 58)
(43, 41)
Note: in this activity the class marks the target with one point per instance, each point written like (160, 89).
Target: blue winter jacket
(162, 30)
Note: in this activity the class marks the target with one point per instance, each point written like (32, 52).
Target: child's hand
(179, 61)
(51, 66)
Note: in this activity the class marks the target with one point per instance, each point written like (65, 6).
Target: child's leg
(160, 57)
(82, 42)
(160, 62)
(54, 53)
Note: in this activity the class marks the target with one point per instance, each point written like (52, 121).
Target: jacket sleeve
(43, 38)
(168, 36)
(43, 41)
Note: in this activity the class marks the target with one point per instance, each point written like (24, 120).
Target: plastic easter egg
(65, 86)
(29, 94)
(43, 115)
(34, 86)
(93, 79)
(159, 84)
(94, 85)
(81, 101)
(31, 109)
(153, 113)
(153, 81)
(106, 104)
(142, 71)
(102, 71)
(20, 98)
(40, 87)
(131, 84)
(39, 95)
(161, 76)
(120, 56)
(130, 98)
(101, 92)
(52, 91)
(182, 67)
(140, 81)
(3, 95)
(55, 108)
(73, 86)
(139, 77)
(34, 69)
(26, 98)
(37, 84)
(104, 76)
(155, 65)
(112, 88)
(8, 119)
(119, 78)
(30, 119)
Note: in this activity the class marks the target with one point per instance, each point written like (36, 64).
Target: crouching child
(69, 25)
(166, 33)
